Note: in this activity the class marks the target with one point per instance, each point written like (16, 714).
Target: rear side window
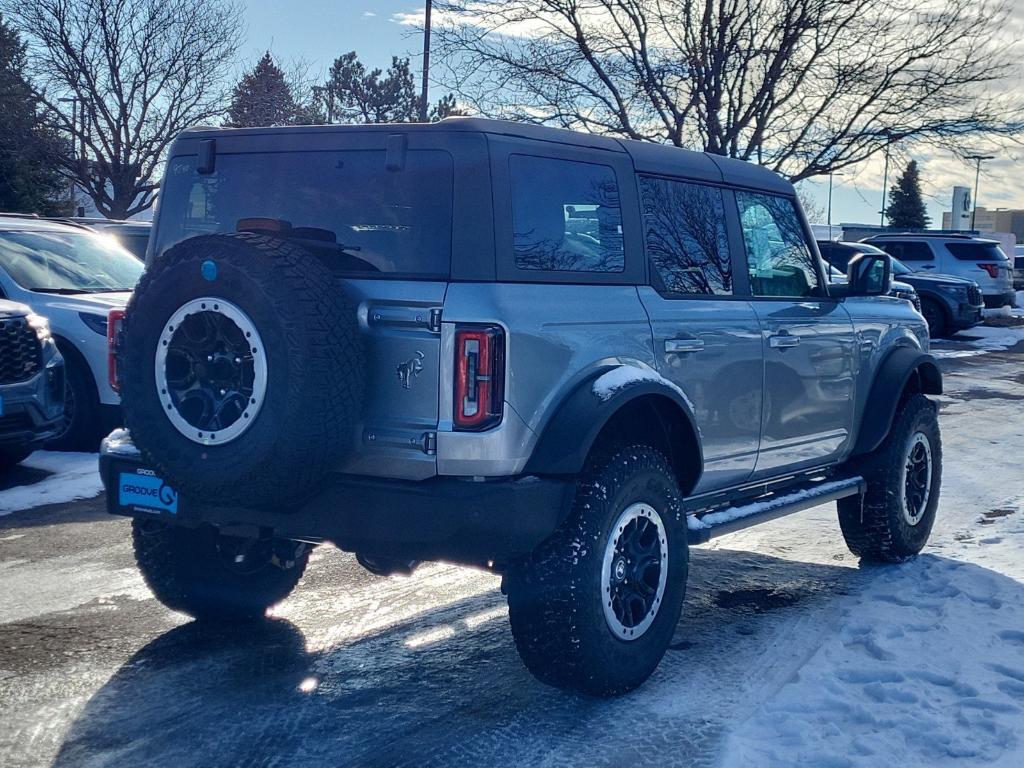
(906, 251)
(565, 216)
(779, 260)
(976, 251)
(684, 228)
(346, 206)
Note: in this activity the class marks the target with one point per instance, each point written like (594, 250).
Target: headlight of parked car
(40, 325)
(96, 323)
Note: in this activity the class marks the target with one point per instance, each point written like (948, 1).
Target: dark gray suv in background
(948, 303)
(561, 357)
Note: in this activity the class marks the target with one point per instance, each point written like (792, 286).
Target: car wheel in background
(80, 428)
(9, 457)
(933, 314)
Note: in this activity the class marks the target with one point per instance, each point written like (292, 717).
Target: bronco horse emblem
(410, 369)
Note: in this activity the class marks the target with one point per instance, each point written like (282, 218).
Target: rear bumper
(996, 300)
(443, 518)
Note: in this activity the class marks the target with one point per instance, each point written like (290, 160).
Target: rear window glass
(347, 204)
(565, 216)
(976, 251)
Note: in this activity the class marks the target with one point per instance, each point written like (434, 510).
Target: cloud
(369, 14)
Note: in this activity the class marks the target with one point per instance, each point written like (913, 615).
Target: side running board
(706, 525)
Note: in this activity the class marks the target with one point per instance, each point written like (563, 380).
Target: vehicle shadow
(446, 687)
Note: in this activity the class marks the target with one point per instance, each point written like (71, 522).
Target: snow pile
(608, 384)
(74, 476)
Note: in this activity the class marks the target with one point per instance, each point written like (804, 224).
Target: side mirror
(869, 274)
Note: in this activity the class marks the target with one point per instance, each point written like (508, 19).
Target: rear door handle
(783, 341)
(680, 346)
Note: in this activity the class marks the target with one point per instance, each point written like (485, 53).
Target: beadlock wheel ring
(219, 379)
(634, 571)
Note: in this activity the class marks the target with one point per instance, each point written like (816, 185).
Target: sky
(317, 31)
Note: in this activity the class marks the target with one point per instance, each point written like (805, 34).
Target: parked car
(72, 276)
(1018, 268)
(31, 383)
(974, 258)
(508, 346)
(948, 303)
(133, 235)
(899, 290)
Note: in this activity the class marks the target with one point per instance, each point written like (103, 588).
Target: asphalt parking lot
(358, 670)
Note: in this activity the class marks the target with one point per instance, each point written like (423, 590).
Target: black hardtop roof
(648, 157)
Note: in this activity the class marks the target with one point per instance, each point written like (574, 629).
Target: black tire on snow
(935, 317)
(192, 570)
(81, 405)
(555, 595)
(314, 358)
(880, 531)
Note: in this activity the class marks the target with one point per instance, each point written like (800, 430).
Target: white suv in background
(974, 258)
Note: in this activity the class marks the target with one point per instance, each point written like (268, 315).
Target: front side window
(68, 262)
(565, 216)
(348, 206)
(684, 228)
(779, 261)
(907, 251)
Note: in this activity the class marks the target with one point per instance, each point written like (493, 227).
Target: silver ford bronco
(561, 357)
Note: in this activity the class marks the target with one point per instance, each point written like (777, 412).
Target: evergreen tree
(30, 181)
(263, 97)
(906, 207)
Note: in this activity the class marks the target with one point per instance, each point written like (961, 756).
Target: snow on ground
(70, 476)
(978, 341)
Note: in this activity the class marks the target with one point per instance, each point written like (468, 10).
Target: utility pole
(75, 156)
(426, 62)
(885, 183)
(978, 159)
(830, 175)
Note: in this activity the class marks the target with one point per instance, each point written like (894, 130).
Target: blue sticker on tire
(136, 489)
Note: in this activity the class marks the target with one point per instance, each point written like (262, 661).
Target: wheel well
(656, 421)
(70, 352)
(925, 379)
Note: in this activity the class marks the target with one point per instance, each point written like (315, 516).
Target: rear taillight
(992, 269)
(479, 377)
(115, 321)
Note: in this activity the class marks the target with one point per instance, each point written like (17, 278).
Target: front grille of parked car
(910, 296)
(974, 295)
(21, 354)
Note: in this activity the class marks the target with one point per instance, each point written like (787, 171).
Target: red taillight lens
(992, 269)
(479, 377)
(115, 321)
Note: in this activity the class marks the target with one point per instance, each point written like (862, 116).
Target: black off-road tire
(82, 431)
(314, 358)
(935, 315)
(192, 570)
(11, 457)
(556, 596)
(880, 531)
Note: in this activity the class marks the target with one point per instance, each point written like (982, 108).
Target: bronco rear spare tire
(242, 369)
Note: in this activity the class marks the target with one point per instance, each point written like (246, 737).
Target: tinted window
(684, 226)
(779, 260)
(976, 251)
(906, 251)
(836, 255)
(347, 206)
(565, 216)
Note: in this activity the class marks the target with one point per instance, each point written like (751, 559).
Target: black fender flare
(884, 397)
(571, 432)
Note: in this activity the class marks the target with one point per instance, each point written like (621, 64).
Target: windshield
(899, 268)
(68, 262)
(350, 207)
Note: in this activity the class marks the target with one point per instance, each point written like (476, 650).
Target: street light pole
(426, 62)
(885, 184)
(830, 175)
(978, 159)
(73, 101)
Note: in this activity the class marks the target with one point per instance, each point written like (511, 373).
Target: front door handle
(783, 341)
(680, 346)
